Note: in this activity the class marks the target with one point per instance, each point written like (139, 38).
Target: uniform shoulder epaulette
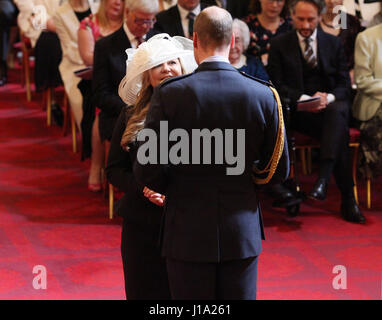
(264, 82)
(172, 79)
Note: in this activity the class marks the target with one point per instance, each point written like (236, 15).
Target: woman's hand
(154, 197)
(264, 59)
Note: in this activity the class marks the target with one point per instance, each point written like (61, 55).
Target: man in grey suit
(212, 227)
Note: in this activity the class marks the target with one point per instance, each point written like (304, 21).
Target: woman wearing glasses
(159, 58)
(269, 19)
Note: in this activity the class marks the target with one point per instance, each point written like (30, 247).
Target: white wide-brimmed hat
(157, 50)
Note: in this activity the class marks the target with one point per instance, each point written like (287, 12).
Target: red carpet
(49, 218)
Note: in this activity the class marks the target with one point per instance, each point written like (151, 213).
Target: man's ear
(195, 40)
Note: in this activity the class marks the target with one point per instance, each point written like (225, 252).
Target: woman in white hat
(159, 58)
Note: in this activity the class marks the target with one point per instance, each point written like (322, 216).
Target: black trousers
(228, 280)
(331, 128)
(143, 267)
(8, 14)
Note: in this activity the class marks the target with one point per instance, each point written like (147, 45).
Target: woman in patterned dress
(269, 19)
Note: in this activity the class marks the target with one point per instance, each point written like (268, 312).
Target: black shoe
(58, 115)
(351, 212)
(319, 190)
(284, 197)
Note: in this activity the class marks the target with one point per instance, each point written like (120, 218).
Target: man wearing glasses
(110, 60)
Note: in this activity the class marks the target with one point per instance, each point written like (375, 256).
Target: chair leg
(368, 192)
(27, 76)
(354, 171)
(48, 94)
(74, 134)
(111, 201)
(303, 161)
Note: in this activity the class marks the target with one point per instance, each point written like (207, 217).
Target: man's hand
(323, 101)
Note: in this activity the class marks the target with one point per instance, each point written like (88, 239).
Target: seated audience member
(166, 4)
(8, 14)
(110, 61)
(367, 105)
(144, 269)
(179, 19)
(107, 20)
(67, 20)
(246, 63)
(377, 19)
(47, 48)
(346, 29)
(269, 19)
(308, 62)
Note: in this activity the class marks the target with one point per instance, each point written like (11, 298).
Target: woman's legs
(97, 157)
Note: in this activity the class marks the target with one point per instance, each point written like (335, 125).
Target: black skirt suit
(144, 268)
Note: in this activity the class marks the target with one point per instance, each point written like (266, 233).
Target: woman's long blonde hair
(137, 114)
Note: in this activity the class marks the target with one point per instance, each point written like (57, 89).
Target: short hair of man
(319, 4)
(147, 6)
(244, 31)
(214, 29)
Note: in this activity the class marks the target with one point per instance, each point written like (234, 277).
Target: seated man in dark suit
(110, 60)
(179, 19)
(309, 62)
(8, 13)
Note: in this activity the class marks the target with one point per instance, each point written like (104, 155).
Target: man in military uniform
(212, 228)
